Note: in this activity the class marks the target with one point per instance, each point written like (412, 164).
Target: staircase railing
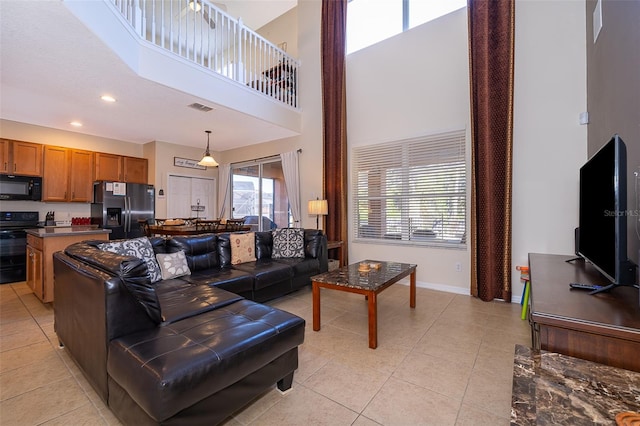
(202, 33)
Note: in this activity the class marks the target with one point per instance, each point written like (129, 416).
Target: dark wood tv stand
(603, 328)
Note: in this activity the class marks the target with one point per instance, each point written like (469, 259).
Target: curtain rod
(299, 151)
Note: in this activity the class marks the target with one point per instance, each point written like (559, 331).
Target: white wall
(549, 143)
(394, 93)
(416, 83)
(310, 140)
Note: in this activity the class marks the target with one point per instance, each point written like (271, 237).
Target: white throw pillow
(173, 265)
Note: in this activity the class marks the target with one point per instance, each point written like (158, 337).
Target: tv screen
(603, 209)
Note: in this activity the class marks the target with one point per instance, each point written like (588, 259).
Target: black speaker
(577, 240)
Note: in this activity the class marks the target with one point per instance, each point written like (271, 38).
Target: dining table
(170, 230)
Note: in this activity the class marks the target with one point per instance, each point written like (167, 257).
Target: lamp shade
(318, 207)
(207, 159)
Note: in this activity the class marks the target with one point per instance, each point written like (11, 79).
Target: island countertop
(65, 231)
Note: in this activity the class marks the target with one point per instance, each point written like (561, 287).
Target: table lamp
(318, 207)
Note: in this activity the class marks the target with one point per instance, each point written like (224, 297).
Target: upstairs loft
(198, 49)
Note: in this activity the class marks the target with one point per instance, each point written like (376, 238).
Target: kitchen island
(42, 243)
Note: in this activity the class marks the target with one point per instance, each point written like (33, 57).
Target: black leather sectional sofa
(188, 350)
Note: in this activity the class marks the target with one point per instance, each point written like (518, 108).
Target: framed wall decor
(188, 163)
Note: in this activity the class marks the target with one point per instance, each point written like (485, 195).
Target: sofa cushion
(235, 280)
(189, 300)
(307, 266)
(201, 251)
(266, 272)
(288, 242)
(137, 247)
(173, 265)
(171, 367)
(264, 245)
(243, 248)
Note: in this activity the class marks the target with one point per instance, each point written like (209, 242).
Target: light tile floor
(448, 362)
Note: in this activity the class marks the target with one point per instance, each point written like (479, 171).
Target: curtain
(224, 172)
(334, 112)
(291, 173)
(491, 55)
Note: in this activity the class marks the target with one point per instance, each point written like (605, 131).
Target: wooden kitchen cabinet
(41, 244)
(67, 175)
(20, 158)
(34, 271)
(135, 169)
(108, 167)
(56, 174)
(118, 168)
(80, 176)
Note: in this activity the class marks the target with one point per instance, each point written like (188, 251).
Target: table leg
(373, 320)
(412, 290)
(316, 306)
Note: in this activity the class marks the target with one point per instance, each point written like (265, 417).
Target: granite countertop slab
(555, 389)
(65, 231)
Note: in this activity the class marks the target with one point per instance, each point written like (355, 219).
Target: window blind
(411, 191)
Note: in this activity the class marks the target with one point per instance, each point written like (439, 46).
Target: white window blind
(411, 191)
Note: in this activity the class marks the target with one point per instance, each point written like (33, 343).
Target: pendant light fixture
(208, 160)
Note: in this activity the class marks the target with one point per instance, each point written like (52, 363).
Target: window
(411, 191)
(371, 21)
(260, 195)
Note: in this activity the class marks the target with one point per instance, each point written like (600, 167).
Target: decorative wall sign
(188, 163)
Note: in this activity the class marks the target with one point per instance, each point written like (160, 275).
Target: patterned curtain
(333, 46)
(491, 55)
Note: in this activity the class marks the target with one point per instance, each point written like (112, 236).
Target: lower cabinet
(40, 258)
(34, 272)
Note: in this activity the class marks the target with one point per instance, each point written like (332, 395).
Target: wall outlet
(458, 267)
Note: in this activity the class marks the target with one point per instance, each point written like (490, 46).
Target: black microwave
(20, 187)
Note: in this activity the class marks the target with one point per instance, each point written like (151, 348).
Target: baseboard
(439, 287)
(515, 298)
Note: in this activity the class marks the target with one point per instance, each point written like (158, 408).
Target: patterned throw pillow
(243, 248)
(173, 265)
(137, 247)
(288, 242)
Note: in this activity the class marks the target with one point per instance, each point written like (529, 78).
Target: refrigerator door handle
(129, 213)
(126, 214)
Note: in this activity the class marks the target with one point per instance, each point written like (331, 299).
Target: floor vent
(200, 107)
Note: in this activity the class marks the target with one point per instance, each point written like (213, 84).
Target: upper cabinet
(119, 168)
(108, 167)
(135, 169)
(67, 175)
(55, 182)
(20, 158)
(80, 176)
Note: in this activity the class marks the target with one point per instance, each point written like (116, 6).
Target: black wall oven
(13, 244)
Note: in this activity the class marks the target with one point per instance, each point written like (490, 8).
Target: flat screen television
(603, 214)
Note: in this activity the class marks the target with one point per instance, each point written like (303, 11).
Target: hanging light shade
(208, 160)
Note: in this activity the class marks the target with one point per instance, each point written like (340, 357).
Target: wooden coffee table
(370, 284)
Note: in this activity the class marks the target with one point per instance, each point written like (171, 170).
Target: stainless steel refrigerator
(118, 206)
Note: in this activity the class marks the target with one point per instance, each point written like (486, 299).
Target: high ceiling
(53, 70)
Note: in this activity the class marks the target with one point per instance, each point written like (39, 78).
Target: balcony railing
(201, 33)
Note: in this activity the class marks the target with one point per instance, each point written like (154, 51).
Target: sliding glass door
(259, 194)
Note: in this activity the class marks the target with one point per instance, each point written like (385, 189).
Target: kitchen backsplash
(63, 211)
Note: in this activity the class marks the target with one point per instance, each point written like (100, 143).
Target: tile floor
(443, 363)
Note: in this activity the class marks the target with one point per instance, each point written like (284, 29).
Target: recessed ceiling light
(76, 124)
(108, 98)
